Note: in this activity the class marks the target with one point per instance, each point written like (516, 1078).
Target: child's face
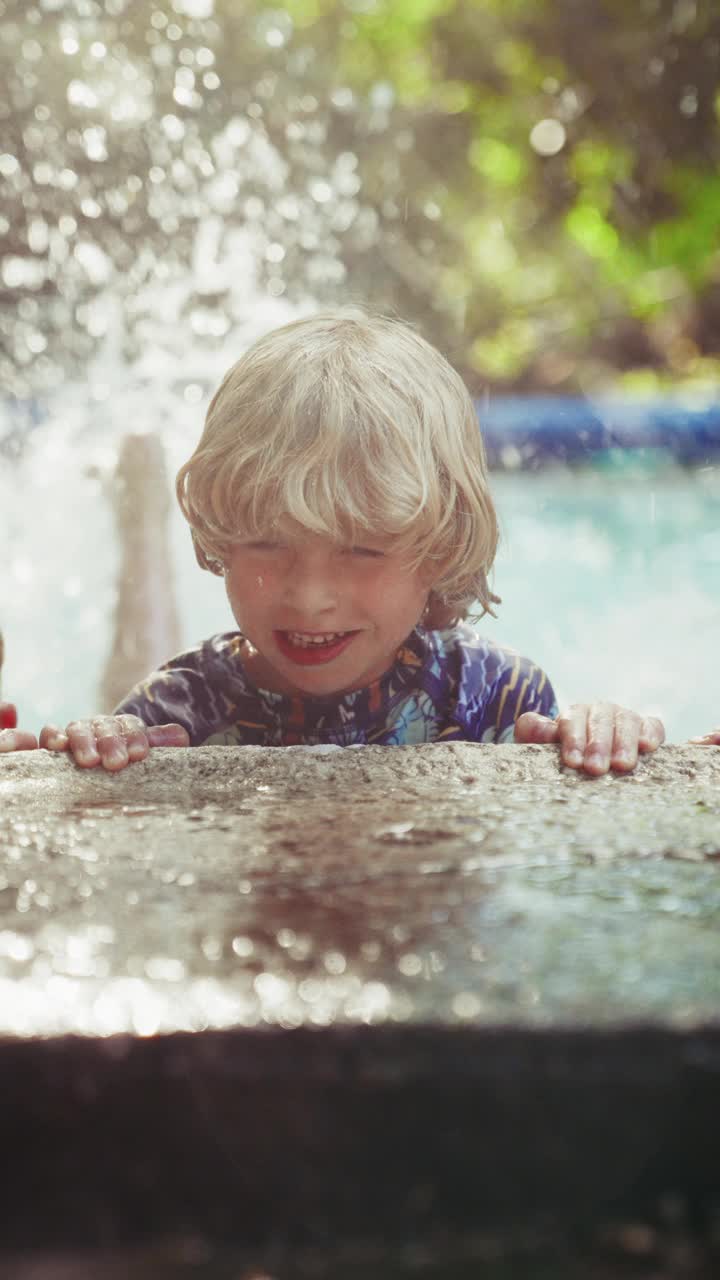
(286, 593)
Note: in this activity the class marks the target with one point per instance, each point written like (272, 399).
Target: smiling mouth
(308, 647)
(315, 637)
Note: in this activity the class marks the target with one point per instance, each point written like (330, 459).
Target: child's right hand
(12, 738)
(111, 741)
(711, 739)
(8, 715)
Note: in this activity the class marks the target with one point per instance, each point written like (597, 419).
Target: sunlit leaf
(592, 232)
(497, 161)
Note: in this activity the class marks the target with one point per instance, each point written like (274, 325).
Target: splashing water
(60, 579)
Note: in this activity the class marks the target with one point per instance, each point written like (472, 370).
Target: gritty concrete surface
(449, 883)
(286, 998)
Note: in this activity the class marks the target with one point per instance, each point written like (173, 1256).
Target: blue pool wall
(530, 431)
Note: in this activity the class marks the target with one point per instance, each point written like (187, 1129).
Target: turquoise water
(610, 575)
(610, 579)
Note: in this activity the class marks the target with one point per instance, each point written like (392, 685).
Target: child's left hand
(594, 736)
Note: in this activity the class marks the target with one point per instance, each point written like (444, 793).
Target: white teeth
(301, 638)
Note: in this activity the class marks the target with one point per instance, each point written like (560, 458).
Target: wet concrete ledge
(286, 996)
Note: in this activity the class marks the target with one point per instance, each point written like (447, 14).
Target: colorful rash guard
(444, 686)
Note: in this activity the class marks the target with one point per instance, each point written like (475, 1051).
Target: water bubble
(9, 165)
(199, 9)
(689, 101)
(173, 127)
(370, 950)
(320, 191)
(271, 988)
(301, 947)
(466, 1005)
(165, 969)
(15, 946)
(343, 99)
(91, 208)
(243, 946)
(211, 948)
(80, 94)
(548, 137)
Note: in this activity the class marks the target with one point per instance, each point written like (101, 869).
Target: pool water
(609, 574)
(610, 580)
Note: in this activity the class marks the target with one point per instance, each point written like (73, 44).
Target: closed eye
(372, 552)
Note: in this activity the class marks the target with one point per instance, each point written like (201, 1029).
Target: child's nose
(311, 586)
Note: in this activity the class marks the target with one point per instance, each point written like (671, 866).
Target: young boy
(341, 490)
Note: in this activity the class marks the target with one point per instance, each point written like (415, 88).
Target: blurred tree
(533, 182)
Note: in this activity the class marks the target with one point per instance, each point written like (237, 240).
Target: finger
(112, 748)
(711, 739)
(53, 739)
(133, 732)
(572, 735)
(110, 726)
(167, 735)
(626, 735)
(81, 743)
(600, 737)
(127, 724)
(112, 739)
(532, 727)
(17, 740)
(8, 715)
(136, 740)
(652, 734)
(136, 744)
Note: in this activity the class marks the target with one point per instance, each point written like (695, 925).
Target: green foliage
(611, 228)
(502, 164)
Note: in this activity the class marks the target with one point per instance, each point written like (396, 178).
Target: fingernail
(86, 755)
(623, 759)
(162, 733)
(573, 758)
(8, 740)
(597, 762)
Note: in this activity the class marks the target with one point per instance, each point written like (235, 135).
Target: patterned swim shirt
(451, 685)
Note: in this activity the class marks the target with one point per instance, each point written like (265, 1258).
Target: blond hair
(349, 425)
